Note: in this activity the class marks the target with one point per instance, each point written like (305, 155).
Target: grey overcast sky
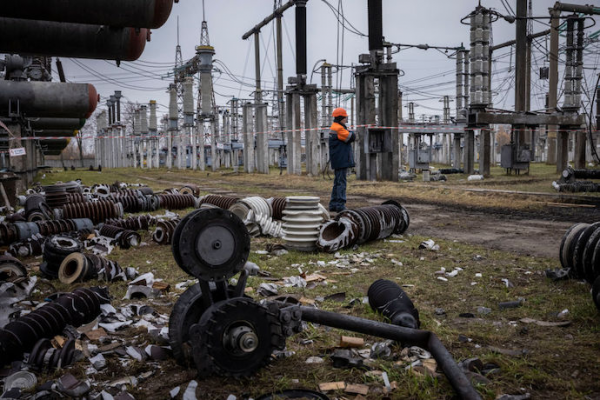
(427, 75)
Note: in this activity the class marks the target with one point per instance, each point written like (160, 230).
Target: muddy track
(521, 232)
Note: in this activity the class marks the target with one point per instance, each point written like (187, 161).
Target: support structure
(378, 155)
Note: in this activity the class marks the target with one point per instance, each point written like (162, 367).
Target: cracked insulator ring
(335, 235)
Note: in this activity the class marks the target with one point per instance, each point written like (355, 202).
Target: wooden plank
(329, 386)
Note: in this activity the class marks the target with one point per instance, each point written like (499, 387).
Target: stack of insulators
(125, 238)
(164, 231)
(78, 267)
(76, 198)
(361, 225)
(56, 249)
(98, 211)
(278, 205)
(220, 201)
(131, 202)
(176, 201)
(56, 195)
(45, 358)
(140, 222)
(77, 308)
(64, 225)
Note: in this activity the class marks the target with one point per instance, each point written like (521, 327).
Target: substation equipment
(220, 330)
(41, 116)
(517, 155)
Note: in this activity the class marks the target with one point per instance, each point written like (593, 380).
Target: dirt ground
(533, 237)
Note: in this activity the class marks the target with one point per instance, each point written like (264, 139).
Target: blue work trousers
(338, 193)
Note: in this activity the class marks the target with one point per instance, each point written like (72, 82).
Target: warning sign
(19, 151)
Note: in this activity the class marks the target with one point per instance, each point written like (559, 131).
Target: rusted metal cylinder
(48, 99)
(65, 124)
(135, 13)
(62, 39)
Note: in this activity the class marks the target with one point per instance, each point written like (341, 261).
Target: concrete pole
(366, 164)
(153, 130)
(144, 136)
(294, 142)
(311, 134)
(188, 123)
(214, 154)
(388, 104)
(553, 85)
(173, 123)
(136, 136)
(248, 133)
(262, 139)
(200, 142)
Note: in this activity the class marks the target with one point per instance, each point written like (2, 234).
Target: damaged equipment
(227, 333)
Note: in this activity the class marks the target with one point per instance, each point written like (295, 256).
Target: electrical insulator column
(480, 91)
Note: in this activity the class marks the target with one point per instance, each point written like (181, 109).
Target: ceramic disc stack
(302, 217)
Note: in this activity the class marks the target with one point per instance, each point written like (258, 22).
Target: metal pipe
(48, 99)
(301, 37)
(423, 339)
(61, 39)
(56, 123)
(117, 13)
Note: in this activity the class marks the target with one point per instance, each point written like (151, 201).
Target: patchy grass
(554, 362)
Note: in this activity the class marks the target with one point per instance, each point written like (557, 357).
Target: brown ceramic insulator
(56, 196)
(76, 198)
(164, 231)
(110, 230)
(220, 201)
(278, 205)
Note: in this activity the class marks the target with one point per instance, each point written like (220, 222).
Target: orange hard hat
(340, 112)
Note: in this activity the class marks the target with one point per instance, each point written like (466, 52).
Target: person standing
(341, 157)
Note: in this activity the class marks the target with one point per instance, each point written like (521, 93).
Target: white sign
(19, 151)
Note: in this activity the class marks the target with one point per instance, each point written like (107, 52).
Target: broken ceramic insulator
(76, 308)
(390, 300)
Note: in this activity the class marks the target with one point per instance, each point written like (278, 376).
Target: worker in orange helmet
(341, 157)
